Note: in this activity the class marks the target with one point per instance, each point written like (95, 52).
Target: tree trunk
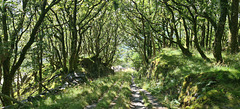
(217, 51)
(6, 88)
(72, 60)
(7, 78)
(62, 46)
(185, 51)
(7, 82)
(186, 31)
(202, 43)
(145, 49)
(153, 45)
(170, 36)
(210, 37)
(196, 40)
(207, 36)
(191, 38)
(180, 30)
(234, 26)
(18, 85)
(9, 74)
(0, 73)
(164, 42)
(64, 55)
(149, 46)
(238, 39)
(40, 64)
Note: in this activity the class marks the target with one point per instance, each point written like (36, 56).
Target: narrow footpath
(137, 100)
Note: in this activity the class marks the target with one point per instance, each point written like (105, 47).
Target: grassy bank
(179, 81)
(89, 93)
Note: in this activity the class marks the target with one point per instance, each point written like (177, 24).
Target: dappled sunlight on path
(137, 101)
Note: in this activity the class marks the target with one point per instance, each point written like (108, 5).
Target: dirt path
(137, 99)
(153, 100)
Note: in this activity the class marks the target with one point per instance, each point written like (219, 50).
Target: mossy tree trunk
(233, 25)
(217, 51)
(73, 56)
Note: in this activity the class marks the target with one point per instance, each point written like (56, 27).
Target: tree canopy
(41, 37)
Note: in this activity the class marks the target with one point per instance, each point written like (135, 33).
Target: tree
(12, 37)
(193, 18)
(46, 43)
(233, 25)
(184, 50)
(217, 51)
(73, 20)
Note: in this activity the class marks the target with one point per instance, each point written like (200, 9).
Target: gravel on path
(137, 99)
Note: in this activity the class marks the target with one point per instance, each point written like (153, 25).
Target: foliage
(42, 38)
(192, 82)
(137, 61)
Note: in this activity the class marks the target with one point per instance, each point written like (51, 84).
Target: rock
(207, 86)
(95, 68)
(75, 78)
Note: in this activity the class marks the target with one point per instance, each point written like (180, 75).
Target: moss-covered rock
(95, 68)
(177, 81)
(209, 89)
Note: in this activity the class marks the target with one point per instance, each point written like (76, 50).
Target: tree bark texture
(234, 26)
(217, 51)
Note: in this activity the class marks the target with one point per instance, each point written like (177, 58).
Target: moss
(209, 88)
(193, 81)
(95, 68)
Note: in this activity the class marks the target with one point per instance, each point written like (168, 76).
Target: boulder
(95, 68)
